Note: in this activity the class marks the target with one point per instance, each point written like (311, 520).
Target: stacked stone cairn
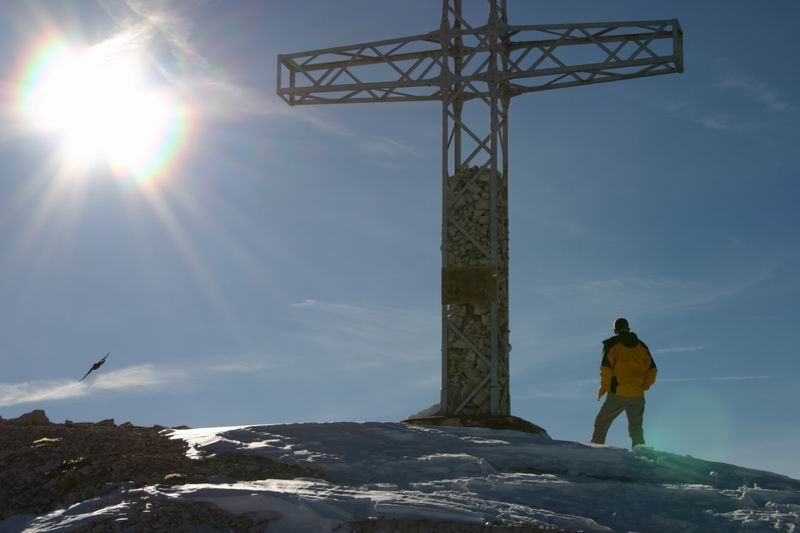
(465, 370)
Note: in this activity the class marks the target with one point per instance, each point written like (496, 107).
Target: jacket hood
(626, 338)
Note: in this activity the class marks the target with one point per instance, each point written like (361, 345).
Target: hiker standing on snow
(626, 372)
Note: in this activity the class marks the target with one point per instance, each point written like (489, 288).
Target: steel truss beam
(541, 57)
(475, 70)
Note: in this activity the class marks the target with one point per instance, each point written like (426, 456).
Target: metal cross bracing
(475, 69)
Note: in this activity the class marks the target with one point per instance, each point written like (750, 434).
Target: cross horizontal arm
(649, 24)
(403, 69)
(569, 55)
(535, 58)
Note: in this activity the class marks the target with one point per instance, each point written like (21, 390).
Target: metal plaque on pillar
(469, 285)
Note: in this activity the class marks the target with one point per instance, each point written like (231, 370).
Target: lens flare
(693, 421)
(97, 102)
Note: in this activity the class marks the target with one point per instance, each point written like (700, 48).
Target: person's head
(620, 325)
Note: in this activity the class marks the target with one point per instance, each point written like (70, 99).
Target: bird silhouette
(95, 366)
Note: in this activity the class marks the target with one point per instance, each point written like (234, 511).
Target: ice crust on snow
(470, 476)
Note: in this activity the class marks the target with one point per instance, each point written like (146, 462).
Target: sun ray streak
(195, 263)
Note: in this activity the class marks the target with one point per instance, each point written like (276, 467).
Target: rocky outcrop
(46, 466)
(149, 514)
(37, 417)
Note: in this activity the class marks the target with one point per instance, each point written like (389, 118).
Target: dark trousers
(611, 409)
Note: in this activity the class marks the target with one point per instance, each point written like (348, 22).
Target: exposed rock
(126, 425)
(107, 422)
(44, 467)
(181, 427)
(149, 514)
(37, 417)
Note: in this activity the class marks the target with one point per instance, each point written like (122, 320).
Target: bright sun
(98, 103)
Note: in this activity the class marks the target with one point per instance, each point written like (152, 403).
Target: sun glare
(96, 101)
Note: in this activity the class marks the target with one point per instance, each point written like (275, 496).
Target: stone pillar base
(480, 421)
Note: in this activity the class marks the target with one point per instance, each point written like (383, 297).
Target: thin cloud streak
(716, 378)
(564, 390)
(138, 378)
(679, 349)
(701, 112)
(368, 335)
(759, 91)
(581, 388)
(134, 377)
(237, 367)
(381, 145)
(640, 296)
(572, 318)
(36, 391)
(715, 122)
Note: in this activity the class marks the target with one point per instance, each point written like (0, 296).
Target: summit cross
(475, 69)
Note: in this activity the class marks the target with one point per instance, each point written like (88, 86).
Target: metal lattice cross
(473, 69)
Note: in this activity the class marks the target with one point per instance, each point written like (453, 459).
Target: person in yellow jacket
(627, 370)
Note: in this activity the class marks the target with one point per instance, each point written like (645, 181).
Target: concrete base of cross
(490, 422)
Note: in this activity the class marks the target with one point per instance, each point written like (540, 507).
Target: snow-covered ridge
(468, 476)
(476, 475)
(379, 452)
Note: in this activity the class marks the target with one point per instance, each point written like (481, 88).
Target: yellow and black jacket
(628, 368)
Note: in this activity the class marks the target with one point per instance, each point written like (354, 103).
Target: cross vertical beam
(475, 347)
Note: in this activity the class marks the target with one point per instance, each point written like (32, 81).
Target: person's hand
(600, 393)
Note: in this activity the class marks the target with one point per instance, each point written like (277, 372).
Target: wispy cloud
(368, 335)
(132, 379)
(596, 302)
(141, 377)
(715, 122)
(574, 389)
(36, 391)
(758, 91)
(561, 390)
(238, 367)
(715, 378)
(708, 108)
(380, 145)
(388, 147)
(642, 296)
(571, 319)
(679, 349)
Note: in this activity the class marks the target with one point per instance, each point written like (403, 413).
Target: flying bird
(95, 366)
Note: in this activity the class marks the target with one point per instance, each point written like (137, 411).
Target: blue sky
(286, 267)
